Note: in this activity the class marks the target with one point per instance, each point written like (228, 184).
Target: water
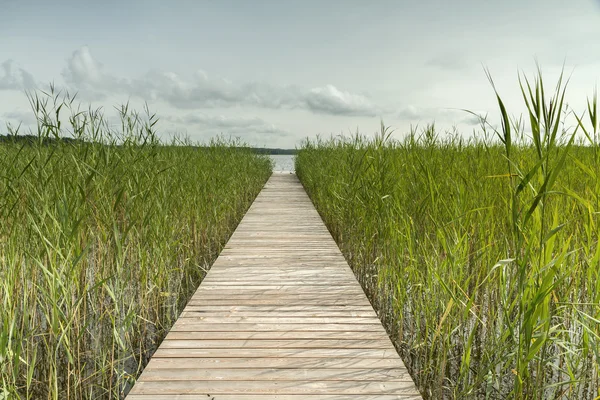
(283, 163)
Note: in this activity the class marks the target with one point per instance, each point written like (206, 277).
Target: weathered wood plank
(191, 351)
(279, 316)
(202, 343)
(235, 288)
(271, 334)
(216, 387)
(264, 396)
(183, 325)
(192, 317)
(198, 311)
(282, 308)
(275, 363)
(277, 374)
(275, 301)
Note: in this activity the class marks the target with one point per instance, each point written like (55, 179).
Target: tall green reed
(480, 255)
(104, 234)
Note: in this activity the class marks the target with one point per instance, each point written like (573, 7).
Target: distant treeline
(275, 151)
(31, 139)
(34, 139)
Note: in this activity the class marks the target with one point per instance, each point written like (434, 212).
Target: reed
(480, 255)
(105, 232)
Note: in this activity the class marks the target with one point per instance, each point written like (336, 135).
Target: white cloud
(410, 113)
(206, 92)
(83, 69)
(87, 75)
(251, 130)
(451, 61)
(331, 100)
(229, 125)
(13, 77)
(445, 115)
(20, 116)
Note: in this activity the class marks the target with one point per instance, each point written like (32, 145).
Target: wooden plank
(279, 315)
(261, 290)
(202, 343)
(193, 317)
(202, 311)
(274, 363)
(286, 298)
(282, 308)
(264, 396)
(277, 374)
(275, 301)
(272, 335)
(271, 280)
(308, 294)
(191, 351)
(275, 289)
(283, 277)
(183, 325)
(216, 387)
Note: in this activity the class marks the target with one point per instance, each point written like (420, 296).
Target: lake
(283, 162)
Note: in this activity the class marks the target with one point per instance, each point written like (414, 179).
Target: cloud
(410, 113)
(228, 125)
(13, 77)
(417, 114)
(450, 62)
(87, 75)
(83, 68)
(251, 130)
(204, 92)
(19, 116)
(330, 100)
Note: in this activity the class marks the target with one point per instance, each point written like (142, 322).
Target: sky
(275, 72)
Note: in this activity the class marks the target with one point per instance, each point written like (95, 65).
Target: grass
(480, 255)
(103, 239)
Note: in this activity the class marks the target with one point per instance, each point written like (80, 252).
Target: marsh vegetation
(103, 238)
(481, 255)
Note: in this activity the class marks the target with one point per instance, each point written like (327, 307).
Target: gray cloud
(13, 77)
(203, 92)
(410, 113)
(229, 125)
(19, 116)
(455, 61)
(86, 75)
(474, 120)
(330, 100)
(416, 114)
(83, 69)
(253, 130)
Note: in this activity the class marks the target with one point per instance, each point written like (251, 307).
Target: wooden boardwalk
(279, 316)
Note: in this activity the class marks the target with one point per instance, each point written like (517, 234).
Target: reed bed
(480, 255)
(103, 238)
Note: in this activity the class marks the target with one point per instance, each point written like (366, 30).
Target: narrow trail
(280, 315)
